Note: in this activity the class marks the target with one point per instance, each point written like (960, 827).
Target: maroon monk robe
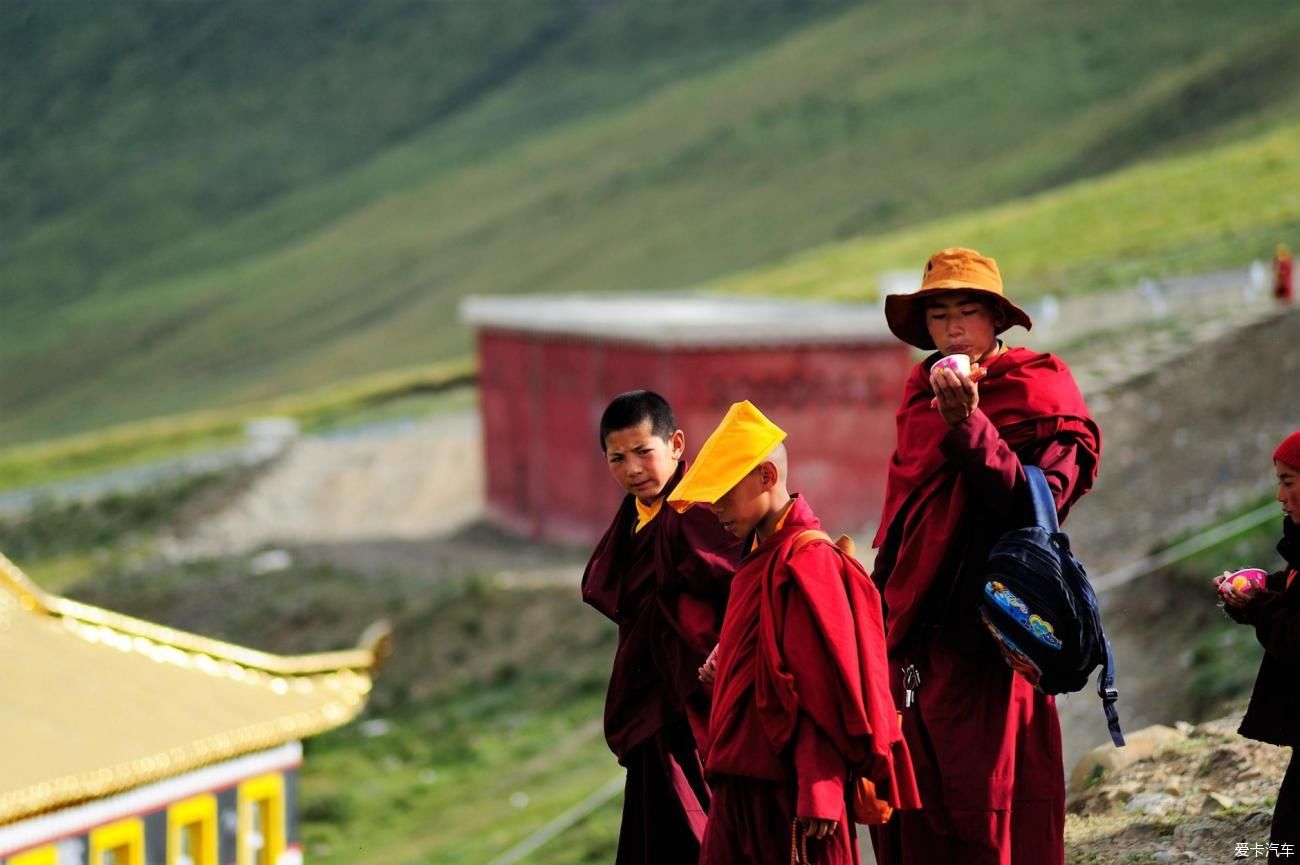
(799, 699)
(666, 587)
(986, 745)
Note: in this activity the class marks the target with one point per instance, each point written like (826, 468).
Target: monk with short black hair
(663, 578)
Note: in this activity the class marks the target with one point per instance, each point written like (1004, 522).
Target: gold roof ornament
(96, 702)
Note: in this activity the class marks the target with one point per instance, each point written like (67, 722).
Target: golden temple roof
(95, 702)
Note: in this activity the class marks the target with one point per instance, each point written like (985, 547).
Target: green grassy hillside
(221, 203)
(138, 125)
(1221, 207)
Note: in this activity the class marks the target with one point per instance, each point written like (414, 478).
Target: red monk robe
(666, 587)
(800, 698)
(985, 744)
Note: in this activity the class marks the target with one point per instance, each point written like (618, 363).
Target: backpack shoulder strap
(1040, 495)
(843, 543)
(807, 537)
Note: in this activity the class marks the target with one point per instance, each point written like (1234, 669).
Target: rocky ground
(1194, 794)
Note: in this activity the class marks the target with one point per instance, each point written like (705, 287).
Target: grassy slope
(180, 118)
(1180, 214)
(1216, 208)
(663, 170)
(158, 141)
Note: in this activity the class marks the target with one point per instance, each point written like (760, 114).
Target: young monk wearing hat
(663, 577)
(1274, 611)
(800, 697)
(986, 745)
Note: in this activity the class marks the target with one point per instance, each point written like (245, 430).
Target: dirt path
(403, 483)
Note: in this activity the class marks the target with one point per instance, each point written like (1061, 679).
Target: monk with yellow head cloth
(801, 703)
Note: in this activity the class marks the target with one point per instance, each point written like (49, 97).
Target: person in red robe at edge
(801, 703)
(986, 745)
(1273, 609)
(663, 578)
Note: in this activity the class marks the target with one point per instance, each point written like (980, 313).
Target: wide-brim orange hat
(740, 443)
(948, 270)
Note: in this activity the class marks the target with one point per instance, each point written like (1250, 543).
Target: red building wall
(542, 397)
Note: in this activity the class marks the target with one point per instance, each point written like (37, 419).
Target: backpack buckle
(1110, 695)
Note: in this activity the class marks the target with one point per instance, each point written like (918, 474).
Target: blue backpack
(1042, 612)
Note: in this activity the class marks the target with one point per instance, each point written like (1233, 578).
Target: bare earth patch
(1196, 801)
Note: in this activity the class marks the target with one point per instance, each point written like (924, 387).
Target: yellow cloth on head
(740, 443)
(646, 513)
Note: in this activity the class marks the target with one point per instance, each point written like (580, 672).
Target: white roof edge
(678, 319)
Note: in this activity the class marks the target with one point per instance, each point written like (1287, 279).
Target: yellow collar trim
(646, 513)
